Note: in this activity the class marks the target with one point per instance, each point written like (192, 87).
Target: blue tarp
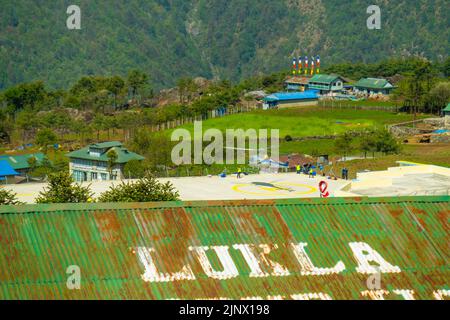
(6, 169)
(441, 131)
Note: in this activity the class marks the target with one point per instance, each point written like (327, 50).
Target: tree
(46, 137)
(61, 164)
(62, 189)
(98, 123)
(44, 169)
(5, 127)
(134, 169)
(416, 84)
(136, 81)
(24, 95)
(8, 197)
(446, 67)
(439, 96)
(146, 189)
(32, 162)
(112, 158)
(368, 143)
(156, 147)
(186, 87)
(386, 143)
(115, 86)
(343, 144)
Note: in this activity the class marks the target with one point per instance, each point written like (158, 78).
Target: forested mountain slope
(170, 39)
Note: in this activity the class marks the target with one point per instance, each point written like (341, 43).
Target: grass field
(305, 122)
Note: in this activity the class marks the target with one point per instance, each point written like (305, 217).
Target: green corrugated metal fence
(39, 242)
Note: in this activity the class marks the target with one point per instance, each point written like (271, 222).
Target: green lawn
(302, 122)
(322, 146)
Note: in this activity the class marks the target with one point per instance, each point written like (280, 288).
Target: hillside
(170, 39)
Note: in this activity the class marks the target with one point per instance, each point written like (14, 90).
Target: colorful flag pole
(300, 65)
(294, 66)
(306, 65)
(312, 66)
(318, 65)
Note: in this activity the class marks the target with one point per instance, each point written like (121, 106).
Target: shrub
(62, 189)
(146, 189)
(8, 197)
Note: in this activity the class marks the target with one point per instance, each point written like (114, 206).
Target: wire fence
(345, 104)
(216, 113)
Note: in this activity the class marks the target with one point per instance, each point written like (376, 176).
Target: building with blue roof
(291, 99)
(20, 163)
(6, 171)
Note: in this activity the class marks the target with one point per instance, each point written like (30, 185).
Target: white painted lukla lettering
(375, 294)
(251, 260)
(278, 269)
(364, 255)
(380, 294)
(311, 296)
(151, 274)
(406, 294)
(229, 268)
(439, 294)
(307, 267)
(254, 262)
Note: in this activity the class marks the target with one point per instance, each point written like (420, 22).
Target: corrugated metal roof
(373, 83)
(324, 78)
(106, 145)
(287, 96)
(297, 80)
(6, 169)
(123, 154)
(21, 161)
(232, 249)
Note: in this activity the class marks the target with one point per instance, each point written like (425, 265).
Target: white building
(91, 162)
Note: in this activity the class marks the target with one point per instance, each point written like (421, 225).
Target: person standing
(298, 169)
(239, 172)
(345, 174)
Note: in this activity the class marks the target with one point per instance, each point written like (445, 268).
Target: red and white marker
(323, 187)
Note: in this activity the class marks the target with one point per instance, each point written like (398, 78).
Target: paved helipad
(262, 186)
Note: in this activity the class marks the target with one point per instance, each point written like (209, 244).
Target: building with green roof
(446, 113)
(446, 110)
(326, 83)
(373, 86)
(91, 163)
(21, 163)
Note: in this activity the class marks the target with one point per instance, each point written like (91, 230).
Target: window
(94, 176)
